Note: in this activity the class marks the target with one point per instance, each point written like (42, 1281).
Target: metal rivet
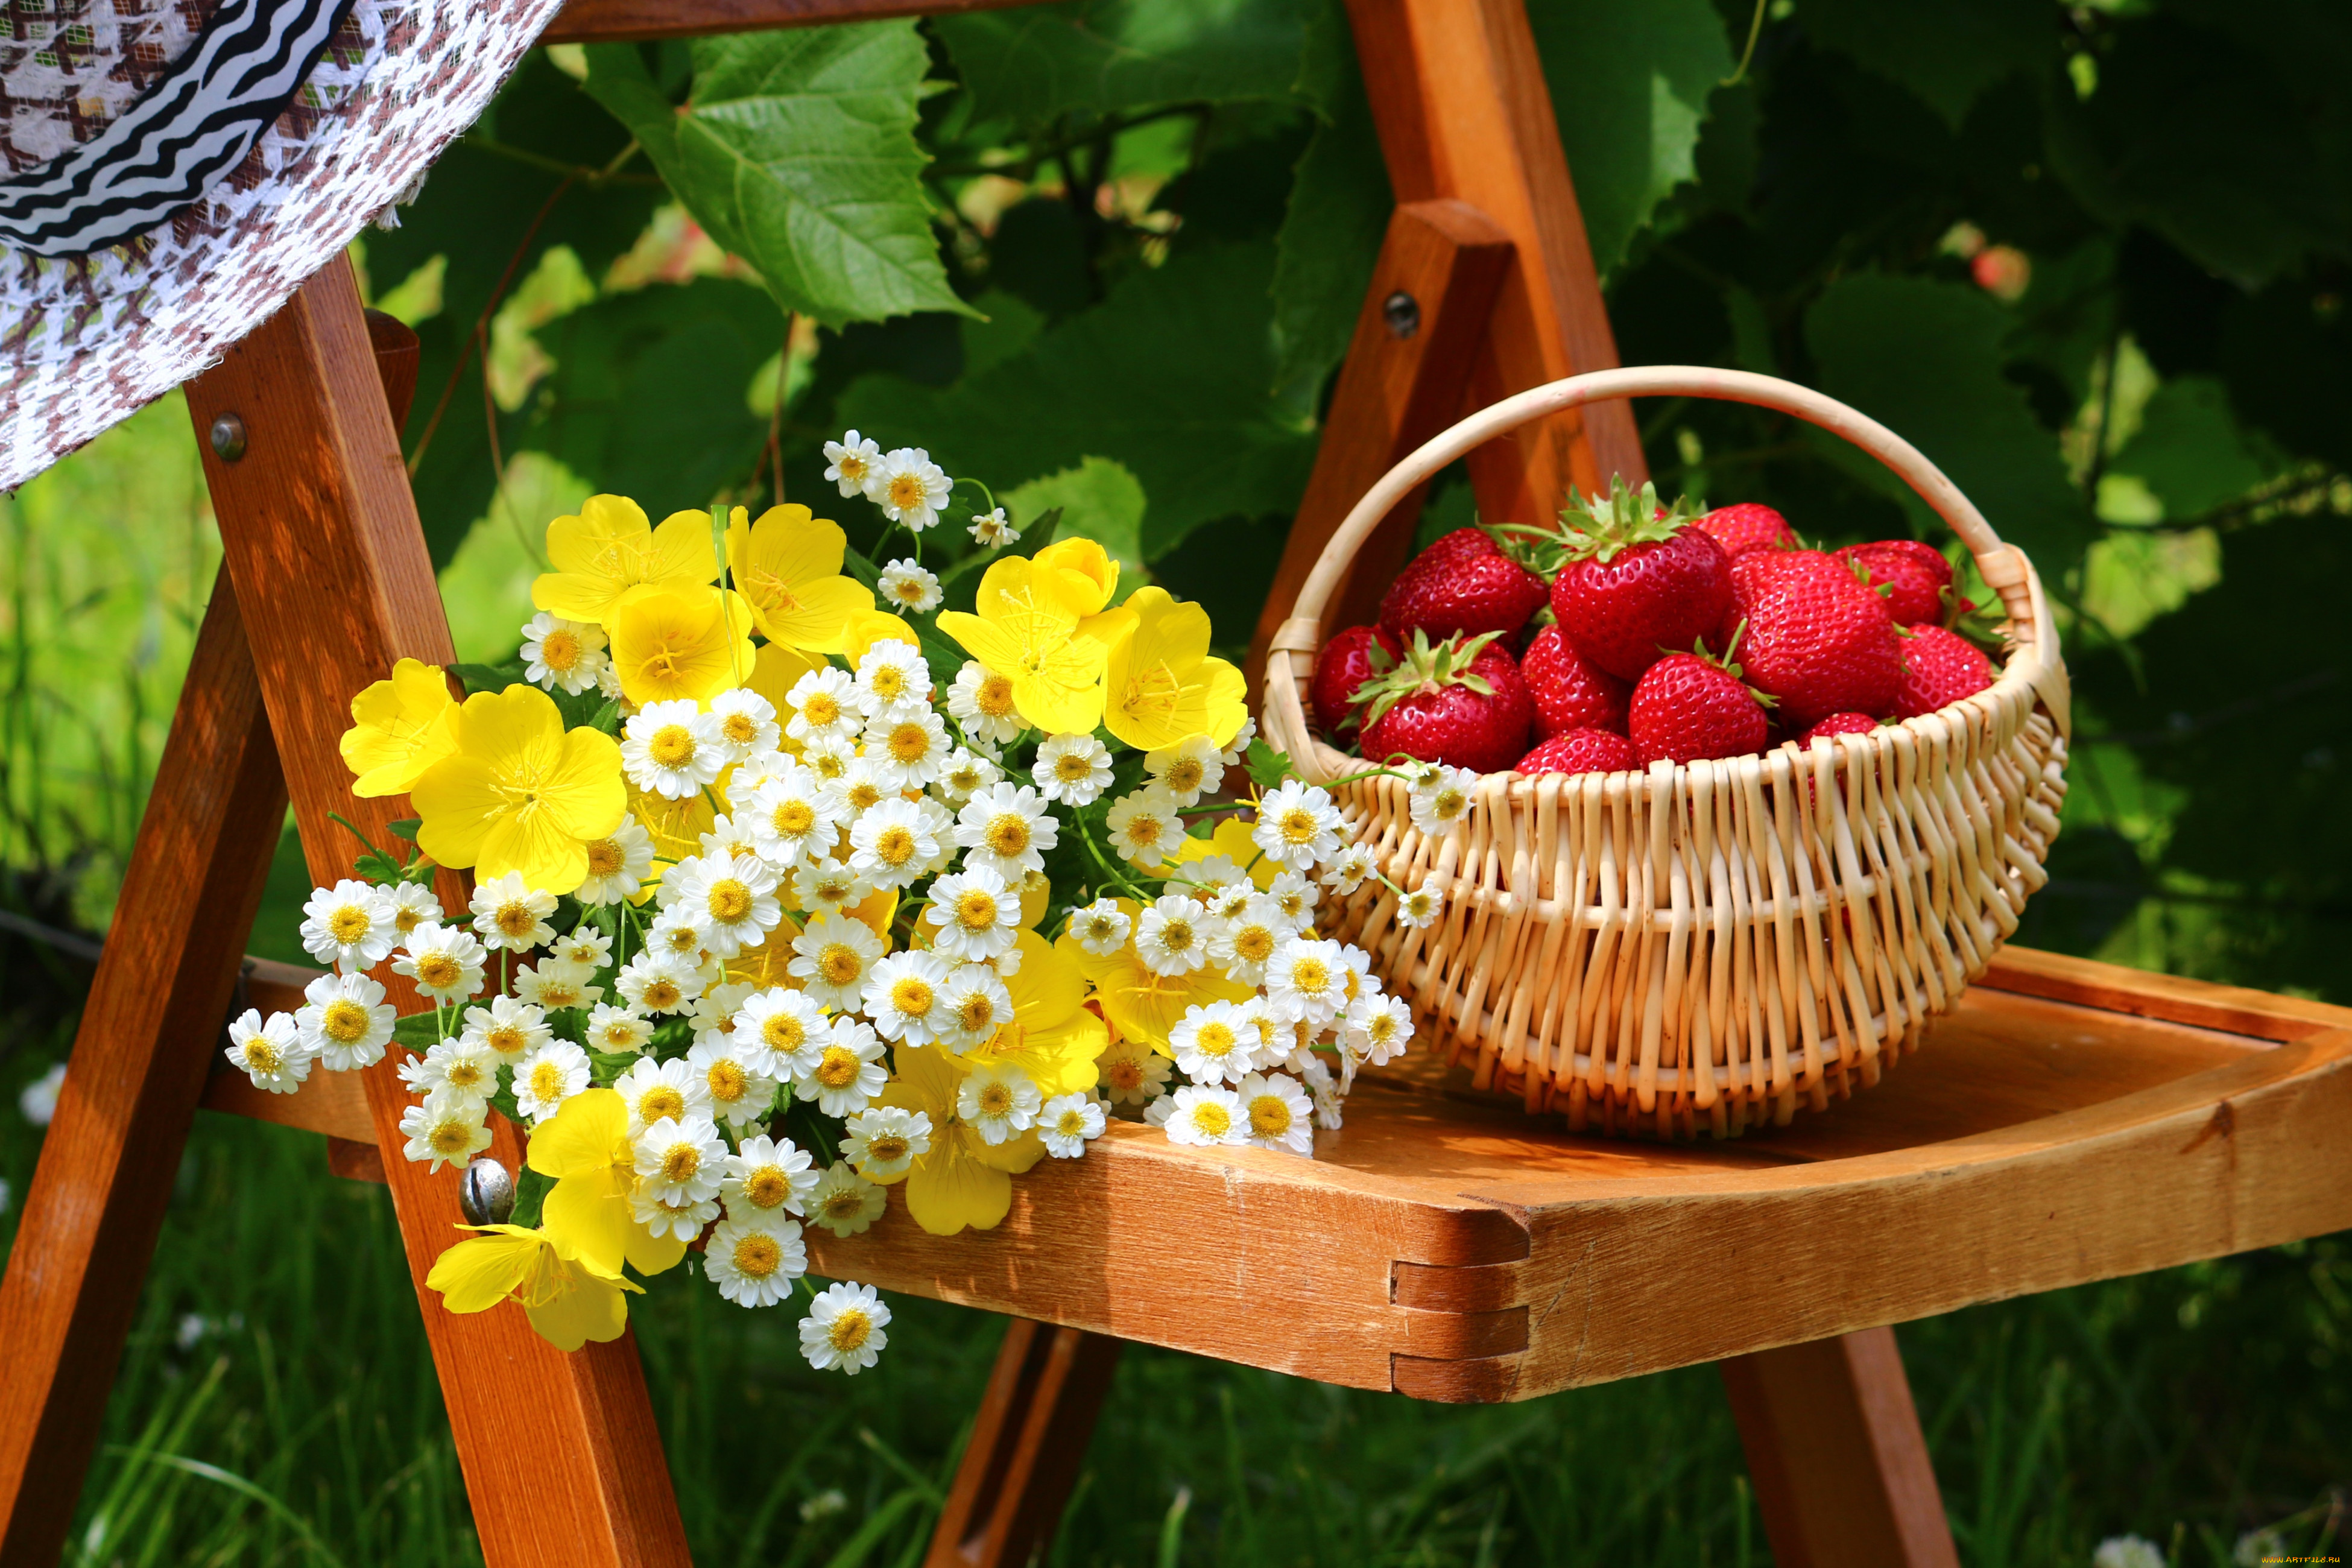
(486, 1193)
(1402, 314)
(229, 438)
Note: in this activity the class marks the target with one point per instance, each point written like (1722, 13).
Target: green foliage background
(1105, 255)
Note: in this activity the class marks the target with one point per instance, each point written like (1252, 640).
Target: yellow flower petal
(580, 1138)
(476, 1275)
(669, 645)
(592, 1214)
(608, 550)
(520, 793)
(1161, 685)
(948, 1190)
(1084, 569)
(787, 567)
(400, 727)
(870, 627)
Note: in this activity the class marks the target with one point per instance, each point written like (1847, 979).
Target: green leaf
(603, 1066)
(1169, 376)
(1097, 56)
(1630, 86)
(405, 827)
(1924, 358)
(419, 1031)
(1098, 499)
(1267, 767)
(1946, 54)
(796, 150)
(530, 1196)
(1330, 239)
(479, 677)
(2191, 451)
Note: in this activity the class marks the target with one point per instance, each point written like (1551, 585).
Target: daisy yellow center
(262, 1056)
(1102, 928)
(672, 746)
(727, 1082)
(964, 780)
(344, 1021)
(842, 1205)
(659, 1101)
(829, 765)
(977, 1013)
(864, 796)
(1008, 834)
(605, 858)
(516, 920)
(853, 467)
(908, 742)
(976, 910)
(1298, 826)
(757, 1256)
(1382, 1028)
(464, 1074)
(994, 697)
(683, 941)
(437, 971)
(1311, 975)
(739, 729)
(832, 892)
(1269, 1116)
(1184, 775)
(1073, 1125)
(1176, 936)
(995, 1098)
(1212, 1118)
(849, 1329)
(1449, 803)
(1125, 1075)
(821, 709)
(622, 1035)
(784, 1034)
(405, 920)
(1074, 767)
(556, 991)
(546, 1082)
(1289, 904)
(729, 901)
(792, 818)
(348, 924)
(451, 1137)
(912, 998)
(887, 1150)
(559, 650)
(1145, 831)
(838, 1067)
(680, 1161)
(505, 1038)
(1253, 944)
(768, 1187)
(906, 491)
(889, 682)
(910, 591)
(1215, 1040)
(839, 964)
(894, 846)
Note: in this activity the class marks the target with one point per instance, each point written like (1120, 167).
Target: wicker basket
(1705, 945)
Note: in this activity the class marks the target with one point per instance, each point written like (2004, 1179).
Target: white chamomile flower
(907, 588)
(747, 724)
(460, 1069)
(1307, 980)
(1359, 981)
(848, 1072)
(1173, 935)
(1298, 826)
(1241, 946)
(1072, 769)
(1421, 906)
(998, 1100)
(608, 686)
(791, 817)
(672, 749)
(508, 1026)
(561, 654)
(890, 845)
(1187, 770)
(617, 1031)
(681, 1218)
(977, 916)
(851, 461)
(1276, 1113)
(740, 1094)
(909, 747)
(1326, 1091)
(982, 703)
(349, 926)
(1006, 828)
(964, 774)
(547, 1077)
(2127, 1551)
(908, 488)
(844, 1328)
(1157, 1113)
(755, 1265)
(680, 1161)
(1132, 1073)
(1238, 747)
(751, 772)
(779, 1031)
(976, 1004)
(1068, 1121)
(674, 931)
(1144, 826)
(730, 899)
(445, 962)
(1205, 1116)
(1379, 1027)
(844, 1202)
(885, 1141)
(819, 886)
(1210, 1046)
(272, 1054)
(1349, 869)
(511, 915)
(831, 956)
(618, 865)
(1440, 797)
(992, 528)
(586, 946)
(905, 997)
(347, 1022)
(857, 790)
(823, 705)
(765, 1180)
(413, 904)
(892, 675)
(446, 1131)
(1262, 1029)
(1295, 897)
(1101, 927)
(829, 757)
(552, 985)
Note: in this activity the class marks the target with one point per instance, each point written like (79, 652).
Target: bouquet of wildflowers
(782, 900)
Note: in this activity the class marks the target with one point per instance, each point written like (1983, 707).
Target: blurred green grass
(277, 1403)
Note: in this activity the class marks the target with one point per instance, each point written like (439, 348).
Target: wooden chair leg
(1026, 1445)
(1834, 1448)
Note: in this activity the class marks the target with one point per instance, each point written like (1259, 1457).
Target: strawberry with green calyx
(1818, 641)
(1459, 702)
(1351, 658)
(1747, 526)
(1914, 579)
(1634, 582)
(1689, 707)
(1939, 668)
(1569, 691)
(1582, 751)
(1461, 585)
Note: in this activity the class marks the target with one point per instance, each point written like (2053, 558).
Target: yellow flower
(400, 727)
(693, 644)
(964, 1180)
(1052, 1037)
(608, 550)
(1231, 839)
(569, 1299)
(521, 792)
(1028, 631)
(773, 675)
(871, 627)
(788, 565)
(1083, 569)
(585, 1147)
(1161, 685)
(1142, 1005)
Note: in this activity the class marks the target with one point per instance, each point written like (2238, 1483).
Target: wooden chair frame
(1456, 1266)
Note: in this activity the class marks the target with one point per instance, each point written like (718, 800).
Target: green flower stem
(1087, 837)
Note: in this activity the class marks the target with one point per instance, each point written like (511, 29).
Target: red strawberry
(1461, 585)
(1938, 669)
(1837, 724)
(1914, 579)
(1816, 640)
(1689, 707)
(1460, 702)
(1570, 693)
(1347, 661)
(1582, 751)
(1747, 526)
(1636, 585)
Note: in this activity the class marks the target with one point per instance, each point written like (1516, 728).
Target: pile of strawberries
(1672, 635)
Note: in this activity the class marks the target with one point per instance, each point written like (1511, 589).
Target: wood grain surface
(1027, 1442)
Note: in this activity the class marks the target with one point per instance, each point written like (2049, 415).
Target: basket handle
(2004, 568)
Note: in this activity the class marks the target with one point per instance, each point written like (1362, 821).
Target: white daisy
(1238, 747)
(844, 1202)
(347, 1022)
(725, 835)
(856, 790)
(682, 1219)
(1348, 870)
(1072, 769)
(751, 772)
(1262, 1029)
(851, 461)
(1379, 1027)
(1295, 897)
(1276, 1113)
(977, 916)
(905, 997)
(1307, 980)
(888, 845)
(747, 724)
(587, 946)
(908, 746)
(1242, 945)
(1173, 936)
(1421, 906)
(885, 1141)
(675, 933)
(618, 866)
(791, 817)
(844, 1328)
(964, 774)
(511, 915)
(740, 1094)
(781, 1031)
(272, 1054)
(1210, 1044)
(460, 1069)
(445, 962)
(1187, 770)
(754, 1266)
(819, 886)
(976, 1004)
(413, 904)
(766, 1179)
(446, 1131)
(907, 588)
(892, 675)
(982, 703)
(549, 1076)
(1440, 797)
(713, 1013)
(561, 654)
(1320, 1084)
(1101, 927)
(823, 704)
(848, 1072)
(608, 687)
(730, 899)
(1298, 826)
(680, 1161)
(1069, 1121)
(349, 926)
(618, 1031)
(1205, 1116)
(1007, 828)
(672, 749)
(908, 488)
(1144, 826)
(1132, 1073)
(992, 528)
(552, 985)
(998, 1100)
(831, 956)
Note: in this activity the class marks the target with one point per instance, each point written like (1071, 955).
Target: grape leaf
(1945, 55)
(1330, 239)
(796, 150)
(1037, 61)
(1097, 499)
(2192, 452)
